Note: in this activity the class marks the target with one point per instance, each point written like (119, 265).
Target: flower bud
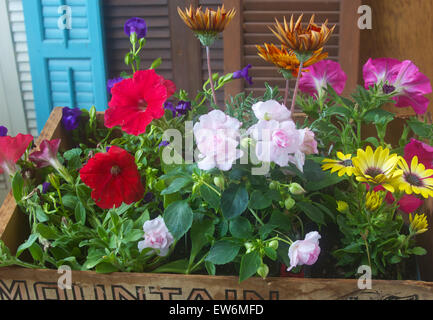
(296, 189)
(249, 246)
(273, 185)
(342, 206)
(273, 244)
(219, 182)
(289, 203)
(195, 187)
(245, 143)
(54, 180)
(263, 271)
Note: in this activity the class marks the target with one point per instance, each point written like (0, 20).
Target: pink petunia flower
(11, 150)
(217, 137)
(156, 236)
(319, 75)
(279, 142)
(47, 156)
(423, 151)
(401, 78)
(305, 251)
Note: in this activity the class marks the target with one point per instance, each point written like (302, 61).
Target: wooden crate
(26, 284)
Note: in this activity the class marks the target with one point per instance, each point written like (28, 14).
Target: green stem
(295, 93)
(210, 75)
(257, 217)
(212, 188)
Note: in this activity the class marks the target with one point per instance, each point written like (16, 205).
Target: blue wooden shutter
(67, 65)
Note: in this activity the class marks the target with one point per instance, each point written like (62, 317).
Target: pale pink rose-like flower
(156, 236)
(217, 137)
(320, 75)
(305, 251)
(271, 110)
(400, 78)
(309, 145)
(278, 142)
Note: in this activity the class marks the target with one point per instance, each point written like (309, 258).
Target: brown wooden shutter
(251, 28)
(155, 12)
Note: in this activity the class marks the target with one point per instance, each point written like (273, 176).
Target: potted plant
(126, 196)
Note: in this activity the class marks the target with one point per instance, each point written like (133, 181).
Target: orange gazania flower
(286, 59)
(300, 39)
(210, 21)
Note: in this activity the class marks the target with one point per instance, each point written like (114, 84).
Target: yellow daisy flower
(343, 165)
(373, 200)
(415, 179)
(378, 167)
(418, 224)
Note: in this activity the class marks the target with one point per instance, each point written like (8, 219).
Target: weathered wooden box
(27, 284)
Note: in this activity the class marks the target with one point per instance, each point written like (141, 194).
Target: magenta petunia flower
(423, 151)
(410, 203)
(403, 79)
(47, 156)
(315, 80)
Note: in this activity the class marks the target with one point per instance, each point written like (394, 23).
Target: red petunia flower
(113, 178)
(136, 102)
(11, 150)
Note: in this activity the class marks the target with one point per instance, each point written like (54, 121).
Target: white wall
(17, 109)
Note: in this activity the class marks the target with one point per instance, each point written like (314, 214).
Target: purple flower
(148, 197)
(112, 82)
(45, 187)
(107, 149)
(3, 131)
(136, 25)
(183, 107)
(169, 106)
(71, 118)
(164, 144)
(243, 74)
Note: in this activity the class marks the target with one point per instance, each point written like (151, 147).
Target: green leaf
(36, 251)
(156, 63)
(419, 251)
(178, 217)
(17, 186)
(250, 263)
(234, 201)
(27, 244)
(73, 153)
(223, 252)
(49, 233)
(176, 185)
(133, 236)
(241, 228)
(378, 116)
(312, 212)
(421, 129)
(271, 253)
(210, 268)
(41, 215)
(373, 141)
(178, 266)
(259, 201)
(93, 259)
(105, 267)
(210, 196)
(80, 213)
(200, 231)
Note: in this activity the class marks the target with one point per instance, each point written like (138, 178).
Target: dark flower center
(387, 89)
(115, 170)
(373, 172)
(347, 163)
(142, 104)
(413, 180)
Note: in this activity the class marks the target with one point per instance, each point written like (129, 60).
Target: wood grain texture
(185, 50)
(42, 284)
(402, 29)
